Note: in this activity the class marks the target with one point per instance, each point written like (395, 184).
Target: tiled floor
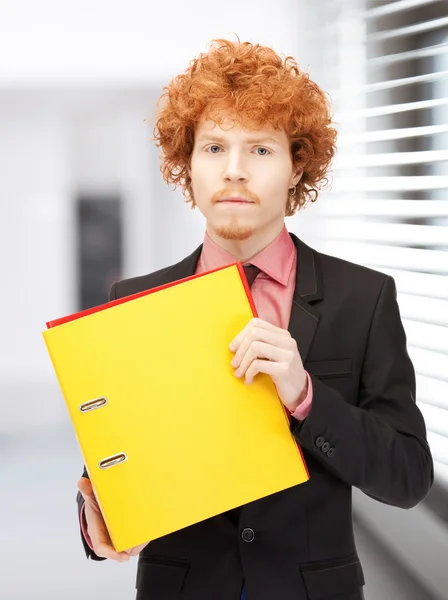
(41, 559)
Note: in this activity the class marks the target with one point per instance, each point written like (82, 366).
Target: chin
(234, 232)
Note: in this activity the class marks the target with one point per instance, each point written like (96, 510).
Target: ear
(297, 176)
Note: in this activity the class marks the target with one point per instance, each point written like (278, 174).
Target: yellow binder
(169, 435)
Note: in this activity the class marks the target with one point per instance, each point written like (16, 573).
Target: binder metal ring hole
(92, 404)
(111, 461)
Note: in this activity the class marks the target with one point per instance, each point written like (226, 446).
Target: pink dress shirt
(272, 291)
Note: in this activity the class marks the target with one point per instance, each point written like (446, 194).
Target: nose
(234, 170)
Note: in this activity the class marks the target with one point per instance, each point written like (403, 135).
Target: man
(249, 138)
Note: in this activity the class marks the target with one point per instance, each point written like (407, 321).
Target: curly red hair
(255, 84)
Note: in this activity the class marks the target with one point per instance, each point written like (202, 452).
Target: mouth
(234, 201)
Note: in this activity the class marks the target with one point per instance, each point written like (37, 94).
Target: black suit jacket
(364, 430)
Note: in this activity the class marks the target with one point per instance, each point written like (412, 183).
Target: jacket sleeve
(379, 445)
(79, 499)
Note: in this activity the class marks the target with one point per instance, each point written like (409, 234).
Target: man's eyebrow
(253, 140)
(263, 140)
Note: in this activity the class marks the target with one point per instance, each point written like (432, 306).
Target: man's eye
(213, 149)
(264, 151)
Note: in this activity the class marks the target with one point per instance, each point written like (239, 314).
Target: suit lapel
(304, 316)
(184, 268)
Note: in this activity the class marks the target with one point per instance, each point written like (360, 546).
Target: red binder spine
(90, 311)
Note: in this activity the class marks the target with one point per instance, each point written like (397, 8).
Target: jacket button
(248, 535)
(319, 441)
(326, 447)
(331, 453)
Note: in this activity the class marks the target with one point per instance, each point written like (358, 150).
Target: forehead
(227, 126)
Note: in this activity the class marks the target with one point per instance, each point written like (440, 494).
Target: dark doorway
(100, 251)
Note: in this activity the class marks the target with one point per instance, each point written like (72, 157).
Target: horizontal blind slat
(388, 109)
(432, 391)
(340, 207)
(424, 310)
(391, 134)
(394, 83)
(420, 284)
(394, 233)
(394, 7)
(391, 59)
(421, 334)
(436, 420)
(386, 184)
(389, 84)
(429, 363)
(377, 256)
(409, 30)
(389, 159)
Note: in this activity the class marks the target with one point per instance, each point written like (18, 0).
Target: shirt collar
(275, 260)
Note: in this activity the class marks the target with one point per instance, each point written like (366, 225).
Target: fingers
(258, 334)
(136, 550)
(104, 550)
(260, 350)
(99, 536)
(97, 530)
(87, 492)
(274, 369)
(96, 527)
(259, 324)
(261, 340)
(85, 487)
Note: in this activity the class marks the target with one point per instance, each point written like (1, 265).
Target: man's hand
(264, 348)
(96, 527)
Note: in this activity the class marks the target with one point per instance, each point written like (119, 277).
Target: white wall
(111, 41)
(78, 82)
(35, 230)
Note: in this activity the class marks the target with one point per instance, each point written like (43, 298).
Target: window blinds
(385, 66)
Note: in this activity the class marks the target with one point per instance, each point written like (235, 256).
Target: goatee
(234, 231)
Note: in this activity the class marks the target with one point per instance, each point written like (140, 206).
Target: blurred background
(83, 203)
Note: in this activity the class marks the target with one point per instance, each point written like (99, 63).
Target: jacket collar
(309, 285)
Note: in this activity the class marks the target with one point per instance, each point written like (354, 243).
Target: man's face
(240, 178)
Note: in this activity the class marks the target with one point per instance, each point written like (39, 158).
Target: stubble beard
(234, 231)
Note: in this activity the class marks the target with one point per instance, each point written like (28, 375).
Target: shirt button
(248, 535)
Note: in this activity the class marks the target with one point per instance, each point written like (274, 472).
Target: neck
(244, 250)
